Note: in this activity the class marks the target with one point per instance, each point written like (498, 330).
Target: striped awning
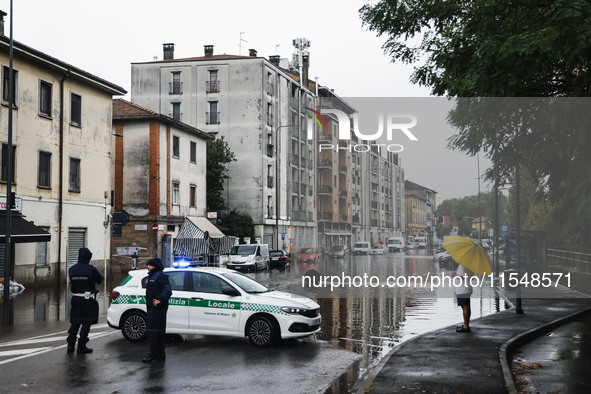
(191, 241)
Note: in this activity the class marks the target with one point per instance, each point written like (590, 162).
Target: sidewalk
(444, 361)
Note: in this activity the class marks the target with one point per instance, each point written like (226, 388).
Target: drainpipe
(61, 181)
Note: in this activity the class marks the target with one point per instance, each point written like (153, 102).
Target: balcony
(324, 138)
(212, 118)
(175, 88)
(324, 164)
(343, 169)
(212, 86)
(298, 215)
(343, 194)
(325, 190)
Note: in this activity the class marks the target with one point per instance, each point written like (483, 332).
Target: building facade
(421, 206)
(159, 172)
(61, 160)
(260, 109)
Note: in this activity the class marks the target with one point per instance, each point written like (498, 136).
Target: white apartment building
(61, 139)
(260, 110)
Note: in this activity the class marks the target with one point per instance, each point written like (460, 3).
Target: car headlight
(292, 310)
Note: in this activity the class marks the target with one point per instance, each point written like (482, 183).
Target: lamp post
(277, 181)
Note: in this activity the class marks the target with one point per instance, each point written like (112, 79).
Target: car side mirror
(230, 291)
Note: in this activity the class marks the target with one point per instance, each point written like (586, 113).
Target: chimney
(305, 66)
(168, 51)
(208, 50)
(2, 15)
(275, 60)
(252, 52)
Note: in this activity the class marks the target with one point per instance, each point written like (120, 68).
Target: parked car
(421, 242)
(308, 255)
(338, 251)
(361, 247)
(215, 301)
(279, 259)
(378, 249)
(444, 259)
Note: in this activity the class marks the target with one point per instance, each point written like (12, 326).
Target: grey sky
(105, 37)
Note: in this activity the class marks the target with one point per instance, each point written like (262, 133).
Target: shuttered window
(76, 238)
(42, 251)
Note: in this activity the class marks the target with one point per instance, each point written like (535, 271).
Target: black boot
(150, 359)
(83, 349)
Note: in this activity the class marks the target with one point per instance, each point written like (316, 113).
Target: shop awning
(191, 241)
(22, 231)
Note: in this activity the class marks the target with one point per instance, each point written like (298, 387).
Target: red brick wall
(154, 188)
(118, 167)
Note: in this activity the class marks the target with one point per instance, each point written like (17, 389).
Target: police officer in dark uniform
(158, 292)
(83, 280)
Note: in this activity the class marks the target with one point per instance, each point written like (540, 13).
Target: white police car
(215, 301)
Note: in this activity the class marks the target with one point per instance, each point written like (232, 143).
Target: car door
(178, 304)
(210, 309)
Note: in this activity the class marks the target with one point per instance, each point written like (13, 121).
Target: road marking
(49, 349)
(18, 352)
(57, 336)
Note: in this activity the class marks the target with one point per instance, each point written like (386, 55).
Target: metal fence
(565, 259)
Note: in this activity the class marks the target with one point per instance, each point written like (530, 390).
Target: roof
(223, 56)
(24, 50)
(126, 110)
(21, 230)
(204, 225)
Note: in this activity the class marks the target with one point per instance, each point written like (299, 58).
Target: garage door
(76, 238)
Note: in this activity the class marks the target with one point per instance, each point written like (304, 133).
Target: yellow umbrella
(467, 252)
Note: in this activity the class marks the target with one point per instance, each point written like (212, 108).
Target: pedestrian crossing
(33, 346)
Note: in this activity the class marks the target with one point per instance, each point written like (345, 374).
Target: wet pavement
(443, 361)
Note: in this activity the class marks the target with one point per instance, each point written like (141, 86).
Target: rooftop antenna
(276, 46)
(240, 42)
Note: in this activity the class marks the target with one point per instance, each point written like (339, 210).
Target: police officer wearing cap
(83, 280)
(158, 291)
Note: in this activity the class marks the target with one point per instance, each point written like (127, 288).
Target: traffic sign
(504, 230)
(155, 228)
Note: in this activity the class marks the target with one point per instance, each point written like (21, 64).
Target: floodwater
(366, 320)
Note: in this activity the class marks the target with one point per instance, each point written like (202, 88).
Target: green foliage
(219, 156)
(238, 224)
(494, 49)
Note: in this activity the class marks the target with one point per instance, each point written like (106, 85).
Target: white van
(249, 257)
(361, 247)
(421, 242)
(395, 244)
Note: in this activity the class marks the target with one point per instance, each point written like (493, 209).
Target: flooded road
(369, 321)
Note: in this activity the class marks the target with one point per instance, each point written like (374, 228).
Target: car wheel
(261, 331)
(133, 326)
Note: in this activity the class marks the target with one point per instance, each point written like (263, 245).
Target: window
(206, 283)
(213, 114)
(4, 175)
(42, 251)
(193, 152)
(175, 147)
(45, 98)
(213, 83)
(270, 114)
(176, 111)
(44, 177)
(193, 190)
(75, 110)
(74, 175)
(5, 84)
(175, 193)
(176, 84)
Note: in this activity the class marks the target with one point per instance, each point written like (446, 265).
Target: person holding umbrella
(472, 259)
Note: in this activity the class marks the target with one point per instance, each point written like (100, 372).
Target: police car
(215, 301)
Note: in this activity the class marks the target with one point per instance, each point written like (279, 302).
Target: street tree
(238, 224)
(481, 48)
(219, 156)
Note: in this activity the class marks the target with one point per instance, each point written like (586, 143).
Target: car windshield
(243, 250)
(245, 283)
(377, 246)
(361, 245)
(275, 254)
(395, 241)
(306, 251)
(338, 247)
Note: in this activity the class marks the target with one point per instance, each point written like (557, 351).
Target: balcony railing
(212, 86)
(212, 118)
(325, 190)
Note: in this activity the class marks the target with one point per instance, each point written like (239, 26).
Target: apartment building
(259, 107)
(420, 211)
(159, 171)
(61, 163)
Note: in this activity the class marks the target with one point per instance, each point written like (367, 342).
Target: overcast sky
(105, 37)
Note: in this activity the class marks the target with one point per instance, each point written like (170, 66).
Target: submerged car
(215, 301)
(279, 259)
(338, 251)
(308, 255)
(378, 249)
(361, 247)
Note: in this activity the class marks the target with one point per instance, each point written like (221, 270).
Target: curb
(508, 347)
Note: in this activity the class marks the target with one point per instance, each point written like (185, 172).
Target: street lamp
(277, 181)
